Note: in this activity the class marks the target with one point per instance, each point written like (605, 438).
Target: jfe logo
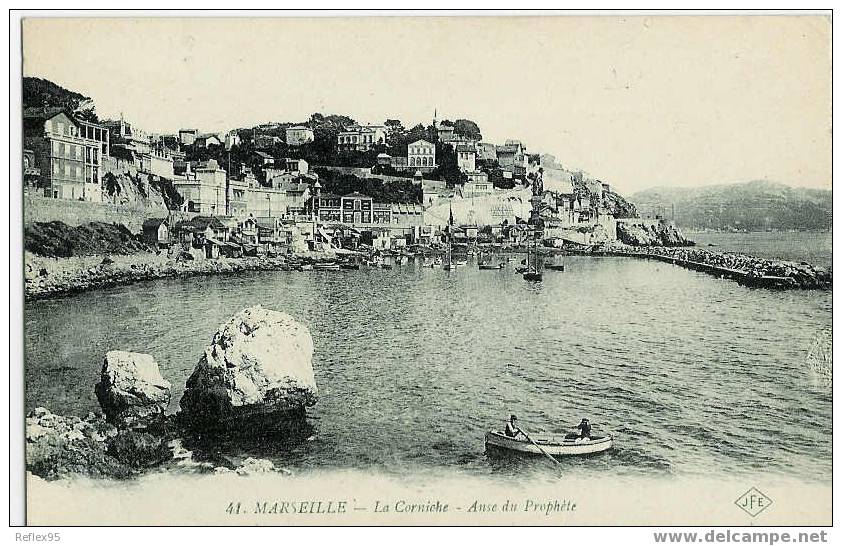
(753, 502)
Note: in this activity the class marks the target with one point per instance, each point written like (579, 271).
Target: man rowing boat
(512, 431)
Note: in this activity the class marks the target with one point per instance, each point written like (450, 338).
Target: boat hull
(553, 446)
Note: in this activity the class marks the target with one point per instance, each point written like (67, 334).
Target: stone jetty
(747, 270)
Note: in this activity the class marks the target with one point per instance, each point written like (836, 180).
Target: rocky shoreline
(254, 380)
(52, 277)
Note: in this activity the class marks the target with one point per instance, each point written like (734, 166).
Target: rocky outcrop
(139, 449)
(650, 234)
(131, 391)
(257, 370)
(58, 446)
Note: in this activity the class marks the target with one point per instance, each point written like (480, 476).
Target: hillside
(38, 92)
(753, 206)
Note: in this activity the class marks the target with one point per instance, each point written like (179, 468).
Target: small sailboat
(449, 264)
(533, 267)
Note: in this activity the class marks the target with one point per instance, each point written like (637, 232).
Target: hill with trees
(758, 205)
(38, 93)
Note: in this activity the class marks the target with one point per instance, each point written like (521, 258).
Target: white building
(477, 185)
(361, 137)
(421, 155)
(157, 162)
(466, 158)
(232, 138)
(204, 189)
(298, 135)
(297, 166)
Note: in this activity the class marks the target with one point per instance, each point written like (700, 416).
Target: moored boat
(533, 276)
(554, 445)
(554, 267)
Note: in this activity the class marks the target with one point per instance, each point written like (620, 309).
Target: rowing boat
(567, 445)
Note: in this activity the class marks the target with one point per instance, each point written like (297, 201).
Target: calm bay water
(697, 375)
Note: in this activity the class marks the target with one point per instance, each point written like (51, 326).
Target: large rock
(131, 391)
(258, 369)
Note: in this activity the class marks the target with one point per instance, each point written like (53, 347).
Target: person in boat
(584, 429)
(512, 431)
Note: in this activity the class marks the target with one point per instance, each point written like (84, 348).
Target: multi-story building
(466, 158)
(265, 142)
(132, 139)
(232, 138)
(98, 132)
(298, 135)
(208, 140)
(512, 156)
(486, 151)
(446, 133)
(297, 166)
(69, 164)
(158, 162)
(421, 155)
(477, 185)
(356, 209)
(361, 138)
(187, 136)
(204, 189)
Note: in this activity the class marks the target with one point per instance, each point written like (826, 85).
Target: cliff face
(657, 234)
(133, 189)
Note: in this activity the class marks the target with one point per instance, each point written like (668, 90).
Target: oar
(544, 451)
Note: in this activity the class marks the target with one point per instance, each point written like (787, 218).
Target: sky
(636, 101)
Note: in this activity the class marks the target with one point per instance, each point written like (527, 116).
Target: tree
(394, 126)
(448, 168)
(467, 129)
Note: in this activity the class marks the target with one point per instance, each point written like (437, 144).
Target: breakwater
(746, 270)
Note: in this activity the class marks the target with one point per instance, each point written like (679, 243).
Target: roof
(293, 187)
(421, 141)
(264, 155)
(466, 148)
(46, 113)
(265, 223)
(508, 149)
(201, 223)
(299, 127)
(154, 222)
(356, 194)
